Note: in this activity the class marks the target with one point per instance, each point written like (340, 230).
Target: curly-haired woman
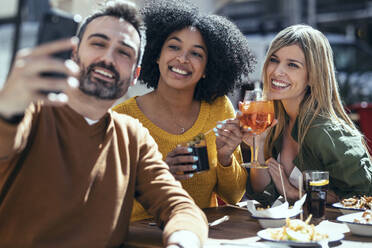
(313, 131)
(192, 61)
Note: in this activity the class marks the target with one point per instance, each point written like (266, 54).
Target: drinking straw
(300, 195)
(281, 179)
(207, 132)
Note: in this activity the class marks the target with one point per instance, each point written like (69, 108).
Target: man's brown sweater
(76, 184)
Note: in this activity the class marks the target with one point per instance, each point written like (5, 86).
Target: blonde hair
(322, 97)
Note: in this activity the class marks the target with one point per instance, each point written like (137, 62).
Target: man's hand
(25, 83)
(183, 239)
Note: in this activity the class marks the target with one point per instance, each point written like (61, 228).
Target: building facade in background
(349, 18)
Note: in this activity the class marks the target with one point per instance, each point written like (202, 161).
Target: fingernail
(223, 122)
(62, 97)
(73, 82)
(24, 52)
(194, 167)
(75, 40)
(72, 66)
(219, 126)
(195, 158)
(216, 134)
(215, 130)
(189, 149)
(52, 97)
(191, 175)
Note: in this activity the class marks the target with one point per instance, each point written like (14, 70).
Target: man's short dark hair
(229, 57)
(120, 9)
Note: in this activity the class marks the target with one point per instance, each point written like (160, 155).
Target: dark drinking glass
(316, 187)
(199, 149)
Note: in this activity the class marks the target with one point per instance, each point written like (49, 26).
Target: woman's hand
(275, 169)
(181, 162)
(228, 137)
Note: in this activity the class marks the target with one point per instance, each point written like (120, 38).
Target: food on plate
(260, 208)
(297, 230)
(366, 218)
(364, 202)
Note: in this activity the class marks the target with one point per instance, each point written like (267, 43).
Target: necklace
(175, 120)
(181, 128)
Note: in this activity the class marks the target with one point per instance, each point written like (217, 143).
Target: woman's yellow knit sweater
(227, 182)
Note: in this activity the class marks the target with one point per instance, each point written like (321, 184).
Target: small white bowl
(356, 228)
(266, 222)
(346, 210)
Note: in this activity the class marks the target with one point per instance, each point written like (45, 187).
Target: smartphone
(56, 25)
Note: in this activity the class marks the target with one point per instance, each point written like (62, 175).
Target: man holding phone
(70, 167)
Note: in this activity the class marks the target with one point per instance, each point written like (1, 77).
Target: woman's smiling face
(183, 58)
(287, 74)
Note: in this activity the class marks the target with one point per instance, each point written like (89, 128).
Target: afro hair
(229, 58)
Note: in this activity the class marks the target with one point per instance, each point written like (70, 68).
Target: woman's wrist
(225, 161)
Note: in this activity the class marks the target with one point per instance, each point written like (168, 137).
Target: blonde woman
(313, 131)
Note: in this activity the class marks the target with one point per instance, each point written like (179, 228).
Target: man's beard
(99, 88)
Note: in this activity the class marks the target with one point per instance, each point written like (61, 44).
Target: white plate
(266, 235)
(346, 210)
(356, 228)
(266, 222)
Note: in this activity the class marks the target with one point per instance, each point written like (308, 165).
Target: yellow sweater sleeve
(232, 179)
(228, 182)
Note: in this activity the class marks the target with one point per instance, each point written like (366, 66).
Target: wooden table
(239, 231)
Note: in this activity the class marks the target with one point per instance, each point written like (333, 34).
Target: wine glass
(258, 115)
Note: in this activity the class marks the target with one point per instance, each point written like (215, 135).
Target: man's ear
(136, 75)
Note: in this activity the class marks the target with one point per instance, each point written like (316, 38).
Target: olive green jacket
(327, 146)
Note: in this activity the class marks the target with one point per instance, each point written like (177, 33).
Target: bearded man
(69, 166)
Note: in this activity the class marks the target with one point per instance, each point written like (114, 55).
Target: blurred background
(346, 23)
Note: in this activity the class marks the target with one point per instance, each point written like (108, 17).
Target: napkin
(277, 211)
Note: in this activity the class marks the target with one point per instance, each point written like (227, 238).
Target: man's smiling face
(107, 56)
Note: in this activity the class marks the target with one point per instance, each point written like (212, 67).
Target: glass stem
(254, 153)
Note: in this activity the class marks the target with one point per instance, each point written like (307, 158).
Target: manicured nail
(62, 97)
(189, 149)
(52, 97)
(191, 175)
(215, 130)
(75, 40)
(194, 167)
(216, 134)
(24, 52)
(73, 82)
(195, 158)
(223, 122)
(72, 66)
(219, 126)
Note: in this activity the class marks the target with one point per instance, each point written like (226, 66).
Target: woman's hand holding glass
(228, 137)
(181, 162)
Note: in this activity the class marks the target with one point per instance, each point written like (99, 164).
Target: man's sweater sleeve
(13, 136)
(163, 196)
